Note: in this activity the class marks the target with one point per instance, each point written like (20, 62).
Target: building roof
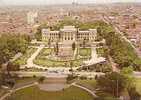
(84, 31)
(45, 31)
(95, 30)
(69, 28)
(54, 31)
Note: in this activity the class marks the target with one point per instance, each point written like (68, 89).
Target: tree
(41, 79)
(73, 46)
(0, 79)
(71, 65)
(10, 45)
(84, 43)
(38, 34)
(127, 71)
(134, 95)
(11, 66)
(99, 33)
(113, 83)
(70, 78)
(49, 43)
(57, 48)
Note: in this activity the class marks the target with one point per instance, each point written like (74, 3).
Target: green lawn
(42, 60)
(100, 51)
(22, 60)
(86, 52)
(33, 93)
(25, 80)
(45, 52)
(52, 63)
(138, 84)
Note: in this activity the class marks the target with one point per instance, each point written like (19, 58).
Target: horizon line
(75, 3)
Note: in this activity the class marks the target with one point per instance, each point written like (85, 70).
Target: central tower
(68, 33)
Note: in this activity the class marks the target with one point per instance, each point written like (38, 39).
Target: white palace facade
(68, 33)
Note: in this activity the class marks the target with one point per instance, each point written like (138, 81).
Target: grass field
(100, 51)
(42, 60)
(22, 60)
(86, 52)
(33, 93)
(138, 84)
(24, 80)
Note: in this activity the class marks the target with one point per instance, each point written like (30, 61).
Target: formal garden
(100, 51)
(45, 59)
(85, 52)
(23, 59)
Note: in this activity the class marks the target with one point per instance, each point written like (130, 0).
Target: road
(56, 74)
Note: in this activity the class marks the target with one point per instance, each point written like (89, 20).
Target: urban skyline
(50, 2)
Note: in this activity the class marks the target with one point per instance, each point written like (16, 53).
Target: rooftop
(68, 28)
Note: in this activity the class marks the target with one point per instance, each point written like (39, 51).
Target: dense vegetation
(119, 49)
(118, 84)
(11, 45)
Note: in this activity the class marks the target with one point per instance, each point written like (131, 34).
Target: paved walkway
(34, 55)
(18, 55)
(6, 95)
(95, 59)
(30, 63)
(75, 53)
(53, 74)
(14, 90)
(86, 89)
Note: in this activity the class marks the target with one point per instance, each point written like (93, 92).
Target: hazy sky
(40, 2)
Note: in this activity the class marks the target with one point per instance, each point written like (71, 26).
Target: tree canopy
(12, 44)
